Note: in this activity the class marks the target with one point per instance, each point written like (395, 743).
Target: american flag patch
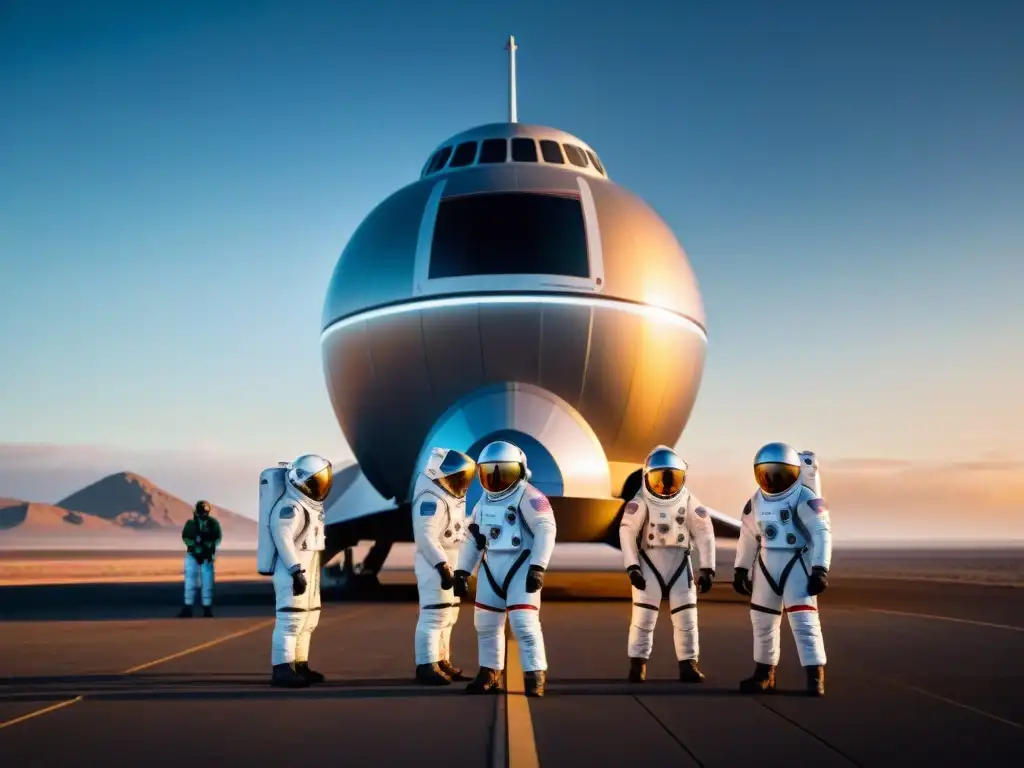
(632, 507)
(540, 504)
(818, 505)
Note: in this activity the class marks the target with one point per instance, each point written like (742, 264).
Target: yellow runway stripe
(200, 647)
(140, 667)
(522, 747)
(38, 712)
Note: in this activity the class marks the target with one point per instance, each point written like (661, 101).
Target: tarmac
(919, 674)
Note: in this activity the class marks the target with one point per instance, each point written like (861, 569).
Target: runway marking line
(955, 703)
(139, 668)
(200, 647)
(953, 619)
(38, 712)
(522, 746)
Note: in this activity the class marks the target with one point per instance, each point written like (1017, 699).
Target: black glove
(460, 583)
(741, 583)
(535, 579)
(299, 583)
(636, 578)
(481, 540)
(817, 581)
(447, 580)
(705, 579)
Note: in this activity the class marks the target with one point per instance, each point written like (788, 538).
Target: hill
(38, 519)
(130, 501)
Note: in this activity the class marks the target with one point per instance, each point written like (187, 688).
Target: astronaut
(297, 527)
(782, 561)
(659, 528)
(512, 536)
(202, 536)
(439, 528)
(809, 475)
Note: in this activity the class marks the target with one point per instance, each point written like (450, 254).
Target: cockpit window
(494, 151)
(509, 233)
(439, 159)
(551, 152)
(524, 150)
(596, 162)
(464, 155)
(575, 155)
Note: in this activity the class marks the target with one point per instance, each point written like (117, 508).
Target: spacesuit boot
(303, 670)
(689, 673)
(762, 681)
(816, 680)
(285, 676)
(453, 672)
(431, 674)
(637, 670)
(487, 681)
(185, 612)
(533, 683)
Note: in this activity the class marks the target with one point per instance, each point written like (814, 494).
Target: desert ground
(983, 566)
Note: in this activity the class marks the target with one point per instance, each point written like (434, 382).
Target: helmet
(776, 468)
(312, 476)
(501, 466)
(451, 471)
(202, 508)
(664, 473)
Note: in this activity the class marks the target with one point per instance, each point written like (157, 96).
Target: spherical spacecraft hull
(586, 371)
(459, 375)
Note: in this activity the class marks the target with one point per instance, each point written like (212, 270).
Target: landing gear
(353, 579)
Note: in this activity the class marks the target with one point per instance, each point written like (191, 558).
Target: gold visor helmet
(312, 476)
(776, 468)
(454, 473)
(664, 473)
(501, 466)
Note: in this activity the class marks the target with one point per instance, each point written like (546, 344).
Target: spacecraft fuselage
(513, 291)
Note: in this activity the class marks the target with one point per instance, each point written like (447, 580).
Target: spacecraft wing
(353, 497)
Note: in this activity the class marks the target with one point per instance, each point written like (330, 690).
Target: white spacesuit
(439, 529)
(809, 474)
(659, 528)
(297, 528)
(782, 561)
(512, 538)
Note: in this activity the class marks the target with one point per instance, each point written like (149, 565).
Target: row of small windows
(523, 150)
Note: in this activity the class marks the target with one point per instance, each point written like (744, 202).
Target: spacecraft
(515, 292)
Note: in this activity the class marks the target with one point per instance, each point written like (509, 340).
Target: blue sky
(177, 181)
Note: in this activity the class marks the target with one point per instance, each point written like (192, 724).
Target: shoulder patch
(540, 504)
(700, 512)
(428, 508)
(287, 512)
(746, 508)
(818, 505)
(632, 507)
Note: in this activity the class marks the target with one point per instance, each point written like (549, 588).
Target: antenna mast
(511, 48)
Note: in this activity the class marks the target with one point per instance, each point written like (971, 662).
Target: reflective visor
(498, 476)
(664, 483)
(775, 478)
(457, 471)
(319, 485)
